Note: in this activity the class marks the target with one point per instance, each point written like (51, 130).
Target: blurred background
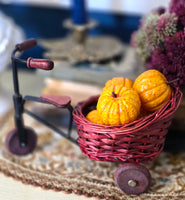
(43, 19)
(123, 6)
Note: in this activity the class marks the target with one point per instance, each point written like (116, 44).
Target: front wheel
(13, 144)
(132, 178)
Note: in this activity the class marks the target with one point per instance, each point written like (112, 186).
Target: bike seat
(58, 101)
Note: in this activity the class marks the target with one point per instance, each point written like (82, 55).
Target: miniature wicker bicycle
(133, 143)
(137, 142)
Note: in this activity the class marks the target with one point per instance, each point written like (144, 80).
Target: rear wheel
(132, 178)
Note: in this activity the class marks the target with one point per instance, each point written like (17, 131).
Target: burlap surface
(58, 165)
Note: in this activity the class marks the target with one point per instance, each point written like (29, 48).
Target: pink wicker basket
(139, 141)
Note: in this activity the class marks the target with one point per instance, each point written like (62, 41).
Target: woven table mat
(57, 164)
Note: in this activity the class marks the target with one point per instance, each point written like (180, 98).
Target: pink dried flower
(170, 59)
(167, 24)
(178, 7)
(152, 32)
(159, 11)
(160, 41)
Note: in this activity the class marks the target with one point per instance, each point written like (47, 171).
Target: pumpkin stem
(114, 95)
(169, 82)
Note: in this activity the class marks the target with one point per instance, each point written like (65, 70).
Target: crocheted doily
(57, 164)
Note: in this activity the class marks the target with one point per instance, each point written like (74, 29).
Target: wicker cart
(137, 142)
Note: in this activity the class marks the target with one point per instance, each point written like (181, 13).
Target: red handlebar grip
(28, 44)
(44, 64)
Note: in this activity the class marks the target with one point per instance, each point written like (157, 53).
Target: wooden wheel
(13, 145)
(132, 178)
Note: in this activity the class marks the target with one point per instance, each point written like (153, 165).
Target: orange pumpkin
(93, 116)
(119, 81)
(118, 105)
(153, 89)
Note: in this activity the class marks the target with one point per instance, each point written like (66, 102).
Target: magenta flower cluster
(178, 7)
(170, 59)
(161, 41)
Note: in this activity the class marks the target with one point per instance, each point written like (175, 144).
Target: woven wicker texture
(139, 141)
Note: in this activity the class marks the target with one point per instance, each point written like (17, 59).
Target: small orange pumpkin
(93, 116)
(126, 82)
(118, 105)
(153, 89)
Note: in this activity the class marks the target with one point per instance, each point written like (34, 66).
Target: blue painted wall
(44, 22)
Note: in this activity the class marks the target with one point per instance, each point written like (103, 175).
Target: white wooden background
(124, 6)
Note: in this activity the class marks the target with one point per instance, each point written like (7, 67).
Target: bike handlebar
(44, 64)
(28, 44)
